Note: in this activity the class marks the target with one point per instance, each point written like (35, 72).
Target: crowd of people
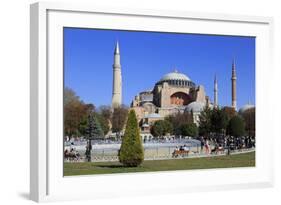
(71, 154)
(229, 143)
(209, 145)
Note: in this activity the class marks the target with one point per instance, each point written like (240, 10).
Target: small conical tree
(131, 152)
(93, 131)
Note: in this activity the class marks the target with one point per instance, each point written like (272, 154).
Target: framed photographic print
(144, 101)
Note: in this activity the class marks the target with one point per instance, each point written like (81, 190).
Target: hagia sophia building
(174, 92)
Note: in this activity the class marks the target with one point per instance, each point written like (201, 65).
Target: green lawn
(86, 168)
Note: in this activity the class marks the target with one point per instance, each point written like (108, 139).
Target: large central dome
(176, 79)
(175, 75)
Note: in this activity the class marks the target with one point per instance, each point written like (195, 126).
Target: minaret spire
(233, 85)
(116, 50)
(117, 79)
(215, 92)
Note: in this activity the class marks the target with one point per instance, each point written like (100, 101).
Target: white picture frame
(46, 159)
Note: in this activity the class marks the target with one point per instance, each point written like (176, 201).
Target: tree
(70, 96)
(75, 113)
(157, 129)
(93, 131)
(229, 111)
(161, 128)
(105, 117)
(83, 126)
(236, 126)
(178, 119)
(131, 152)
(118, 119)
(205, 124)
(88, 109)
(219, 120)
(104, 123)
(189, 129)
(106, 112)
(249, 117)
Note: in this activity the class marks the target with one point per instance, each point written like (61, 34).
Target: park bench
(71, 156)
(217, 150)
(180, 153)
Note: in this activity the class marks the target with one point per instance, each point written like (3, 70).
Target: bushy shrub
(131, 152)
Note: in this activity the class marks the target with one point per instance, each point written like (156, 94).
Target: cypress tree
(131, 152)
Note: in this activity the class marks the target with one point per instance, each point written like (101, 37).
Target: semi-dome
(175, 75)
(195, 107)
(246, 107)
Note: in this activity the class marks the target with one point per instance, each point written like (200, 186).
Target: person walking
(207, 146)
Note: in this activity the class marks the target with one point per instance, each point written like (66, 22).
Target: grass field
(86, 168)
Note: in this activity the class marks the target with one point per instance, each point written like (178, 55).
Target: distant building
(174, 92)
(246, 108)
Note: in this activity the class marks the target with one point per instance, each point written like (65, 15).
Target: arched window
(180, 98)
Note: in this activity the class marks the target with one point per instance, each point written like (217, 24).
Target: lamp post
(89, 143)
(88, 150)
(228, 146)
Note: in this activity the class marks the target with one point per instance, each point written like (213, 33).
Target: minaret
(233, 85)
(117, 79)
(215, 92)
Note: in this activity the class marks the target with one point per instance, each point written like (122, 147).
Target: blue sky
(147, 56)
